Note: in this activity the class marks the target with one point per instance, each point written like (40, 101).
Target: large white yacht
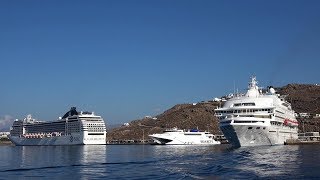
(177, 136)
(72, 129)
(257, 118)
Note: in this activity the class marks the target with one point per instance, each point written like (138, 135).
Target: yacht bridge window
(244, 104)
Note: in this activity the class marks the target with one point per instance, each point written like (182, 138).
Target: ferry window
(249, 127)
(258, 128)
(264, 128)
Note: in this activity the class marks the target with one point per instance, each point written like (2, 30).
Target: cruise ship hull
(257, 118)
(74, 128)
(74, 139)
(256, 135)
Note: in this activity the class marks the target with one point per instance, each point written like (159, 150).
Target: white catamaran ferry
(72, 129)
(257, 118)
(177, 136)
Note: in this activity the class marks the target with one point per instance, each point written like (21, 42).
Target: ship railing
(235, 116)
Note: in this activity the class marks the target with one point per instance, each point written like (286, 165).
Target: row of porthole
(96, 128)
(95, 124)
(256, 127)
(98, 125)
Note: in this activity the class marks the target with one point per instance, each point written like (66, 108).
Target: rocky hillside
(185, 116)
(304, 98)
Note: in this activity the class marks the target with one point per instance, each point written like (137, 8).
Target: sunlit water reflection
(159, 162)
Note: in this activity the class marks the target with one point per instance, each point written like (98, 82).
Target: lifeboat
(288, 122)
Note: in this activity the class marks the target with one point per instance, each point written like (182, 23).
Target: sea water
(159, 162)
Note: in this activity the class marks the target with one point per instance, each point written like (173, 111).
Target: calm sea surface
(159, 162)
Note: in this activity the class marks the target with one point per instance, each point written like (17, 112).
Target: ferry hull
(160, 139)
(256, 135)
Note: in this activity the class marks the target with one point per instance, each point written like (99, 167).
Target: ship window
(258, 128)
(264, 128)
(249, 127)
(244, 104)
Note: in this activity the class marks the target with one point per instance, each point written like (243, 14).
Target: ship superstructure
(73, 128)
(257, 118)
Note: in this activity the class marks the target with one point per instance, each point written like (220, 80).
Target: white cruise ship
(74, 128)
(177, 136)
(257, 118)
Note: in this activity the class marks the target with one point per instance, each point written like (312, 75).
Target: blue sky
(128, 59)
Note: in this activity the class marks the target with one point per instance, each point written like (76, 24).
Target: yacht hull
(182, 140)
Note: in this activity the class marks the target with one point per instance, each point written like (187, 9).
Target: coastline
(299, 142)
